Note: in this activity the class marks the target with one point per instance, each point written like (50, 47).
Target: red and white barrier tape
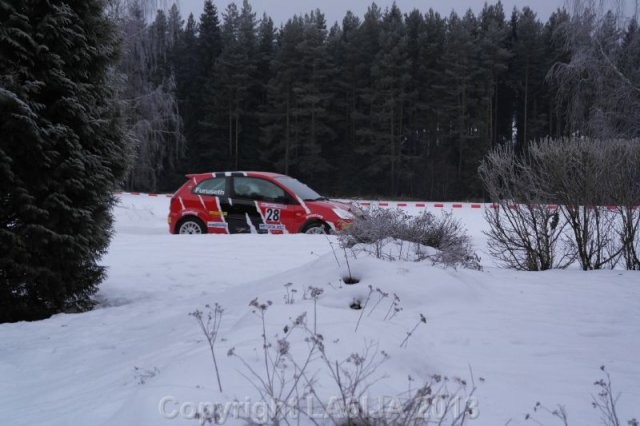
(144, 194)
(403, 204)
(424, 204)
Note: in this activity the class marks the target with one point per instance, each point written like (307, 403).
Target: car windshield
(300, 189)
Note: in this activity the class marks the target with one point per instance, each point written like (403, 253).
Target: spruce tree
(61, 154)
(391, 76)
(188, 88)
(434, 170)
(313, 97)
(235, 70)
(527, 76)
(280, 120)
(206, 145)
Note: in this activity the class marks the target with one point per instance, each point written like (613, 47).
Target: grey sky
(334, 10)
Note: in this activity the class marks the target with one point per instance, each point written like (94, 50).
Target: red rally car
(253, 202)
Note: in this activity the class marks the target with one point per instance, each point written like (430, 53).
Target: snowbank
(529, 336)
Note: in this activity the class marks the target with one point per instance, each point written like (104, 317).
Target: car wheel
(315, 228)
(191, 226)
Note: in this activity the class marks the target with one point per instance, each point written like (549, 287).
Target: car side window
(213, 187)
(259, 190)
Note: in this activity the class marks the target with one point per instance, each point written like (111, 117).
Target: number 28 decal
(272, 215)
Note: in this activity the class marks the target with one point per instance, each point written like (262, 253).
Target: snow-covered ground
(527, 337)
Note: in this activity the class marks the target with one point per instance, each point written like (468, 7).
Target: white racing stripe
(202, 201)
(253, 228)
(221, 213)
(261, 215)
(181, 202)
(304, 206)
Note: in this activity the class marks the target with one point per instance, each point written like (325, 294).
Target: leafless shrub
(439, 401)
(376, 227)
(595, 188)
(210, 328)
(623, 186)
(279, 383)
(605, 402)
(352, 377)
(524, 233)
(629, 234)
(448, 235)
(288, 381)
(574, 173)
(381, 228)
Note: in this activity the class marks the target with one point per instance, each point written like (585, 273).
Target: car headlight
(356, 210)
(343, 214)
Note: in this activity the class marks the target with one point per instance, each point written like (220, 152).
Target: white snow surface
(530, 336)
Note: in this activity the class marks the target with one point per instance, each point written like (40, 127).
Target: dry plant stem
(346, 259)
(405, 342)
(333, 250)
(363, 308)
(210, 330)
(381, 295)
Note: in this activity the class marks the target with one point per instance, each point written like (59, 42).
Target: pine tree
(527, 76)
(313, 98)
(438, 171)
(61, 154)
(460, 67)
(280, 125)
(188, 89)
(494, 63)
(206, 145)
(250, 93)
(391, 95)
(555, 53)
(365, 47)
(343, 49)
(235, 69)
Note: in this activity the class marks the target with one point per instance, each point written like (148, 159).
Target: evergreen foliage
(61, 154)
(387, 104)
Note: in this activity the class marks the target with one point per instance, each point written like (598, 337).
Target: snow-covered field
(527, 337)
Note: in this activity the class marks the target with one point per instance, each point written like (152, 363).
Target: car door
(212, 199)
(261, 206)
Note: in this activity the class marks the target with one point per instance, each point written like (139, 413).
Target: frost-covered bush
(564, 200)
(394, 235)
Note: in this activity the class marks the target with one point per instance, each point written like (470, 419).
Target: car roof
(238, 173)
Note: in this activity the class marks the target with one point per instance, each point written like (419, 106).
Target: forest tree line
(391, 103)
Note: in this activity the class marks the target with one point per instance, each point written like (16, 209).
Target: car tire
(191, 226)
(316, 228)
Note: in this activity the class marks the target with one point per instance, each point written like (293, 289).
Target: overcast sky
(334, 10)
